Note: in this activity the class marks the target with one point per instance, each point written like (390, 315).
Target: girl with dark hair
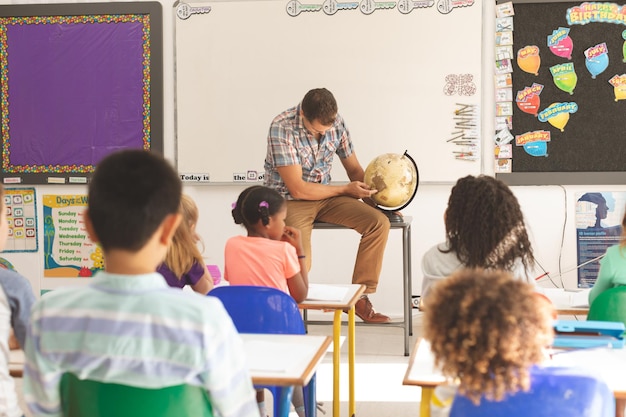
(484, 229)
(271, 255)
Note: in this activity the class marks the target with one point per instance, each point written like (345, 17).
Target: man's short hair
(130, 194)
(320, 104)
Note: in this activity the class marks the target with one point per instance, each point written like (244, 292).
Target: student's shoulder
(9, 277)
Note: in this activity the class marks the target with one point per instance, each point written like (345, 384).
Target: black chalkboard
(592, 146)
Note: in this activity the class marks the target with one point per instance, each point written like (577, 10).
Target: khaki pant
(370, 223)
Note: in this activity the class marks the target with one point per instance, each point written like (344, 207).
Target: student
(16, 300)
(485, 330)
(183, 263)
(484, 228)
(612, 267)
(270, 255)
(301, 145)
(128, 326)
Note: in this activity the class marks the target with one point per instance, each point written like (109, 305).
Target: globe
(396, 178)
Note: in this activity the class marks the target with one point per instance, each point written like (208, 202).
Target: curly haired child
(486, 330)
(184, 264)
(484, 229)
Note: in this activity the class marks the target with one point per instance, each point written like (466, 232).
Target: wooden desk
(421, 371)
(284, 359)
(609, 364)
(565, 304)
(274, 359)
(407, 282)
(353, 292)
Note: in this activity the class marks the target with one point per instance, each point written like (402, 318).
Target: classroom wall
(549, 210)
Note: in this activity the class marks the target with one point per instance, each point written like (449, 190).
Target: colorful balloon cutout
(563, 48)
(624, 46)
(559, 120)
(620, 92)
(566, 81)
(597, 64)
(528, 59)
(539, 148)
(531, 105)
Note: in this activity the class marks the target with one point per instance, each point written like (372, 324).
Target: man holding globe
(301, 144)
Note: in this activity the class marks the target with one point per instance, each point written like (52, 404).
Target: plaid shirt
(289, 143)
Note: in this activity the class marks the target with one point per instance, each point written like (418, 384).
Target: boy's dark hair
(485, 225)
(257, 203)
(130, 194)
(320, 104)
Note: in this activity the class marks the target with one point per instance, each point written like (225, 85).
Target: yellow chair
(88, 398)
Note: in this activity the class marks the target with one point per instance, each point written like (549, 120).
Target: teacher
(301, 145)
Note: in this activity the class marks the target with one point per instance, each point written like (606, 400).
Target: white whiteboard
(244, 62)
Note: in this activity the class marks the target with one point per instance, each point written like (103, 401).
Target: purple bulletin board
(78, 82)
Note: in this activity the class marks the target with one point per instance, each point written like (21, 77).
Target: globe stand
(393, 216)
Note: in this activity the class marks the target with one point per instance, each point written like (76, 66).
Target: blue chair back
(260, 309)
(554, 392)
(267, 310)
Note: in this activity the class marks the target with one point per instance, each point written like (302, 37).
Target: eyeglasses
(315, 127)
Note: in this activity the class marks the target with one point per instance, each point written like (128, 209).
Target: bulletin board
(79, 81)
(579, 113)
(399, 71)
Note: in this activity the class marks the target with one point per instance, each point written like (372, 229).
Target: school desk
(350, 297)
(422, 372)
(407, 323)
(609, 364)
(273, 359)
(568, 302)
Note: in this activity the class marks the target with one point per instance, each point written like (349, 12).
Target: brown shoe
(364, 309)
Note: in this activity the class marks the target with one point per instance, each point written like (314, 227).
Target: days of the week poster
(68, 251)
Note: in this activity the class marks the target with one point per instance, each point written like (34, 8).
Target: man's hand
(359, 189)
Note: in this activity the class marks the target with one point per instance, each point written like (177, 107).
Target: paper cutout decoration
(557, 114)
(528, 59)
(564, 77)
(528, 99)
(560, 44)
(619, 86)
(534, 143)
(597, 59)
(536, 148)
(624, 46)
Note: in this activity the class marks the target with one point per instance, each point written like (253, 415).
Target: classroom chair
(84, 397)
(267, 310)
(610, 305)
(554, 392)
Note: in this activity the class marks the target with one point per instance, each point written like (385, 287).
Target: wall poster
(68, 251)
(598, 225)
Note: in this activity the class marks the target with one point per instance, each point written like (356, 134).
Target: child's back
(127, 326)
(16, 300)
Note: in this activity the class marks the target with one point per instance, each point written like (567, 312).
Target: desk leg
(351, 356)
(336, 360)
(427, 393)
(406, 284)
